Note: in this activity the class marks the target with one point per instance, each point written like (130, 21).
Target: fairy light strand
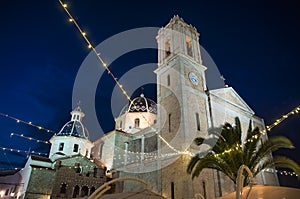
(27, 123)
(21, 151)
(84, 35)
(29, 138)
(284, 117)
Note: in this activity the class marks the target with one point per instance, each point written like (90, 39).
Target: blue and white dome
(140, 104)
(75, 127)
(139, 114)
(72, 139)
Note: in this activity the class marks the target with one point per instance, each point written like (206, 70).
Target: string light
(283, 117)
(281, 172)
(29, 138)
(71, 19)
(21, 151)
(98, 55)
(28, 123)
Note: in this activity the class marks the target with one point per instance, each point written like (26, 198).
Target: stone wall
(40, 183)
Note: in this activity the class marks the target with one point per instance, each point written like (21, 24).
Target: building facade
(68, 172)
(159, 151)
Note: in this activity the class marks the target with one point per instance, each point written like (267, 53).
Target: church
(152, 141)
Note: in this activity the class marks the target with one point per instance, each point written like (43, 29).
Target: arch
(167, 48)
(63, 188)
(240, 180)
(189, 49)
(92, 190)
(75, 191)
(84, 191)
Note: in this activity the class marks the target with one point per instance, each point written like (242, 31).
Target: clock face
(193, 78)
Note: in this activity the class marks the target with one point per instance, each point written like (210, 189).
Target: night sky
(255, 45)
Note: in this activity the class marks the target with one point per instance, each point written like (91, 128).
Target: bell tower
(183, 109)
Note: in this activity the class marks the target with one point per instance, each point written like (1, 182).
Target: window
(75, 191)
(61, 146)
(84, 191)
(170, 122)
(172, 190)
(169, 80)
(63, 188)
(137, 123)
(93, 189)
(167, 48)
(155, 121)
(121, 124)
(204, 189)
(77, 117)
(189, 50)
(6, 192)
(198, 121)
(75, 148)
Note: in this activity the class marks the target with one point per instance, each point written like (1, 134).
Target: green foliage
(228, 152)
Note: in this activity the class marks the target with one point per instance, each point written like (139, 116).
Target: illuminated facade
(159, 151)
(153, 142)
(68, 172)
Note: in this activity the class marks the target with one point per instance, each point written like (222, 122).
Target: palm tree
(229, 152)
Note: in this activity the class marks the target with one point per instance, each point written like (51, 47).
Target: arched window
(84, 191)
(120, 124)
(75, 192)
(63, 188)
(168, 80)
(189, 49)
(204, 189)
(136, 123)
(167, 48)
(198, 121)
(93, 189)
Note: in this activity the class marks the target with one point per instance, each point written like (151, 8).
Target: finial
(223, 79)
(142, 92)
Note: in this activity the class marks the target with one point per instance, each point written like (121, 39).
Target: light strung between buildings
(84, 35)
(29, 138)
(89, 44)
(27, 123)
(22, 151)
(284, 117)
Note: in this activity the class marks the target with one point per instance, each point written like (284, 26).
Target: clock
(193, 78)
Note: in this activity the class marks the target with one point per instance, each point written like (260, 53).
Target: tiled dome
(140, 104)
(74, 127)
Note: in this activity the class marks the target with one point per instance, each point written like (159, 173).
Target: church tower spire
(178, 38)
(183, 106)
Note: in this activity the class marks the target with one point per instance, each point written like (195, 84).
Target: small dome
(75, 127)
(140, 104)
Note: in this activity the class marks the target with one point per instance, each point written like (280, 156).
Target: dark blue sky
(255, 45)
